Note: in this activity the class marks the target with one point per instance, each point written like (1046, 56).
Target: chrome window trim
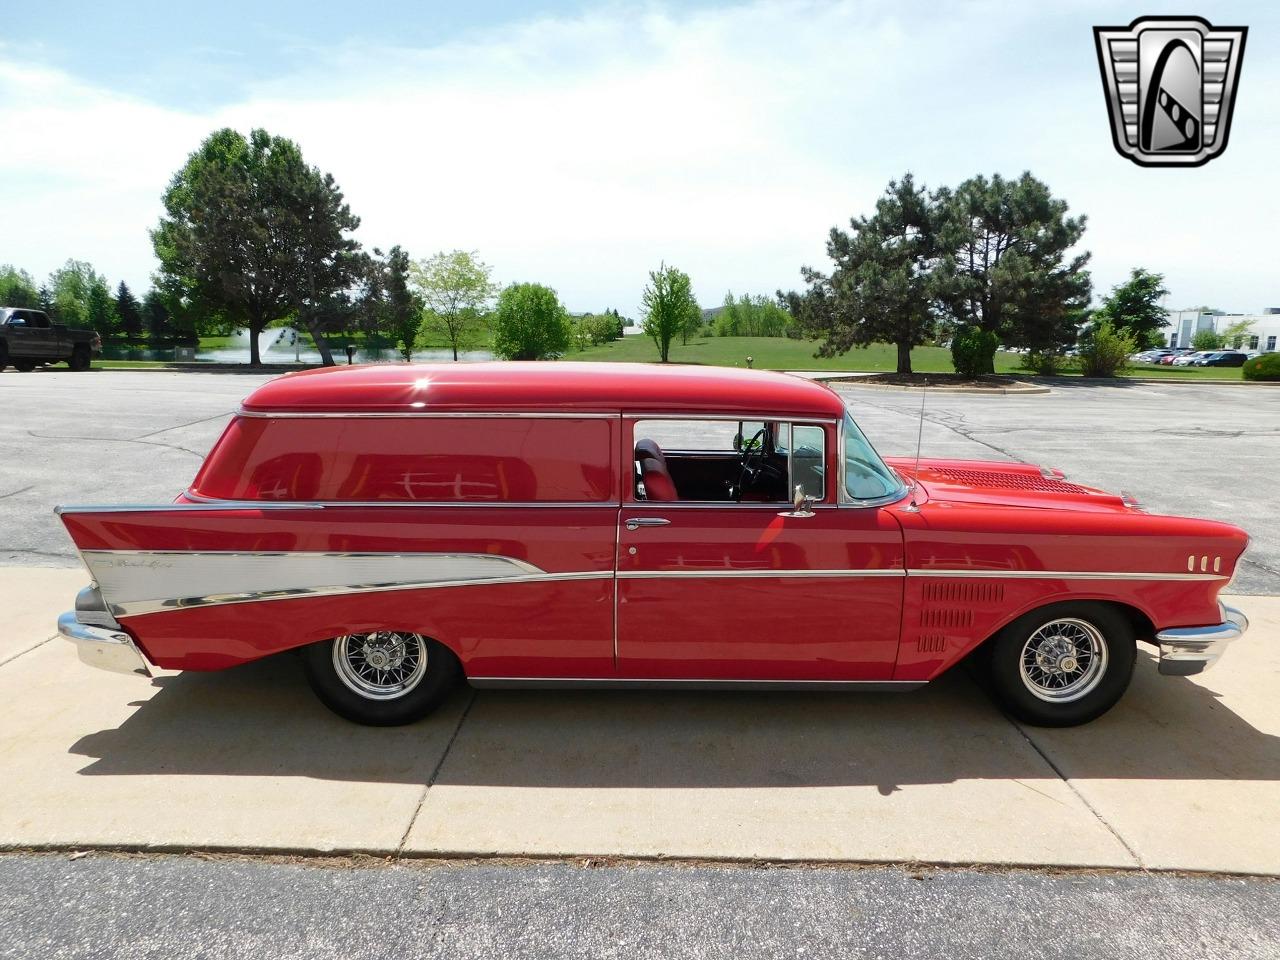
(774, 417)
(424, 414)
(842, 490)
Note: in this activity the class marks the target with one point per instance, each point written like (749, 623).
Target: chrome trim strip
(112, 650)
(423, 414)
(1060, 574)
(803, 574)
(185, 507)
(143, 607)
(562, 683)
(1189, 650)
(138, 582)
(216, 504)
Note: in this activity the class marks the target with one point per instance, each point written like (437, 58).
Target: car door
(758, 591)
(21, 336)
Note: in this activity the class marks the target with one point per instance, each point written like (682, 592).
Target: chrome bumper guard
(103, 647)
(1188, 650)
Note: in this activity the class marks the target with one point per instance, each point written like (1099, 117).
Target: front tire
(383, 679)
(1063, 665)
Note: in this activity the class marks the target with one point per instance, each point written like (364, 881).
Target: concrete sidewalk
(1184, 774)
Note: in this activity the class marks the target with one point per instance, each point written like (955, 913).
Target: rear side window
(426, 459)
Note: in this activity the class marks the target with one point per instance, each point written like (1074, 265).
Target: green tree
(748, 316)
(1237, 334)
(1206, 340)
(101, 311)
(155, 316)
(254, 234)
(1006, 267)
(129, 312)
(70, 286)
(669, 307)
(1105, 351)
(456, 292)
(881, 288)
(17, 288)
(1134, 307)
(402, 307)
(529, 323)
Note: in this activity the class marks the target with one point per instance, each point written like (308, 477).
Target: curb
(1023, 390)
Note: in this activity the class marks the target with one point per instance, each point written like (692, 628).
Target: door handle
(635, 523)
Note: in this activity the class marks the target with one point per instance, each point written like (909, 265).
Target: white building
(1263, 332)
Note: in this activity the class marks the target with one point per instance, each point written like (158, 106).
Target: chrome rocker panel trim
(607, 683)
(1189, 650)
(103, 647)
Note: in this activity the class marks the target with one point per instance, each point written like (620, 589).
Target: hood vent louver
(1006, 481)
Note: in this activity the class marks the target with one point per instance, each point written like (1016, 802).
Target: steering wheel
(750, 467)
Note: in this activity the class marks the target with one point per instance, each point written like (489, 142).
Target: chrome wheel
(380, 666)
(1063, 660)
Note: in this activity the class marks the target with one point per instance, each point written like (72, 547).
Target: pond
(287, 345)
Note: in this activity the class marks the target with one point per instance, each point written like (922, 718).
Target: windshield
(866, 476)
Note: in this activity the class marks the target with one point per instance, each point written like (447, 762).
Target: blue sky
(580, 144)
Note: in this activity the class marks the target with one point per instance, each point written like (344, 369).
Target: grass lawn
(778, 353)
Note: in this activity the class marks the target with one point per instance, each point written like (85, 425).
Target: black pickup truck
(28, 338)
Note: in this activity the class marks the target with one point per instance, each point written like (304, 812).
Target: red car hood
(1006, 484)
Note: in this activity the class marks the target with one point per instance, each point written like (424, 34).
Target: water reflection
(281, 345)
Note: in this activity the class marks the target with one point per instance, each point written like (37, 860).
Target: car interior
(759, 465)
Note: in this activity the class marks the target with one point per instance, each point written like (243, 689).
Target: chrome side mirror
(801, 504)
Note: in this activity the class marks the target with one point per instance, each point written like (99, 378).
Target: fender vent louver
(931, 643)
(961, 592)
(946, 617)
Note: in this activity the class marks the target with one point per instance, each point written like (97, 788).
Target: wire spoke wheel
(1063, 660)
(385, 665)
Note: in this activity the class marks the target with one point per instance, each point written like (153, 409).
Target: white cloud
(581, 151)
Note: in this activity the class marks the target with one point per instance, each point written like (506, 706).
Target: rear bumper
(103, 647)
(1188, 650)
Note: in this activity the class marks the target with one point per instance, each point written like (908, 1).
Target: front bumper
(1188, 650)
(103, 647)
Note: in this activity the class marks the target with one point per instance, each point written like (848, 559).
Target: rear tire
(382, 679)
(24, 366)
(4, 355)
(80, 357)
(1063, 665)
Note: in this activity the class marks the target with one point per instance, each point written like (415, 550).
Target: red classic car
(626, 525)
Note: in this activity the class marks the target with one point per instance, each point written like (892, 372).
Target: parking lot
(1184, 774)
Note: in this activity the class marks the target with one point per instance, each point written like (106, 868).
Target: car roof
(543, 386)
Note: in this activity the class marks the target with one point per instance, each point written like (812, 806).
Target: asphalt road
(163, 907)
(118, 436)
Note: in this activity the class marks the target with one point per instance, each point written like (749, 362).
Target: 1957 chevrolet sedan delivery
(630, 525)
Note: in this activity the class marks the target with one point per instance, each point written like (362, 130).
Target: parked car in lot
(574, 524)
(1188, 359)
(1221, 358)
(28, 338)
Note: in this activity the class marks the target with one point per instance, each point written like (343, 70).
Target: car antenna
(914, 507)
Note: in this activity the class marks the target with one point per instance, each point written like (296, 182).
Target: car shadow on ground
(261, 720)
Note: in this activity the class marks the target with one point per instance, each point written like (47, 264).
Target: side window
(727, 461)
(807, 457)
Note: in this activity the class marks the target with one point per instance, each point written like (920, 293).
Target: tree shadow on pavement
(261, 720)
